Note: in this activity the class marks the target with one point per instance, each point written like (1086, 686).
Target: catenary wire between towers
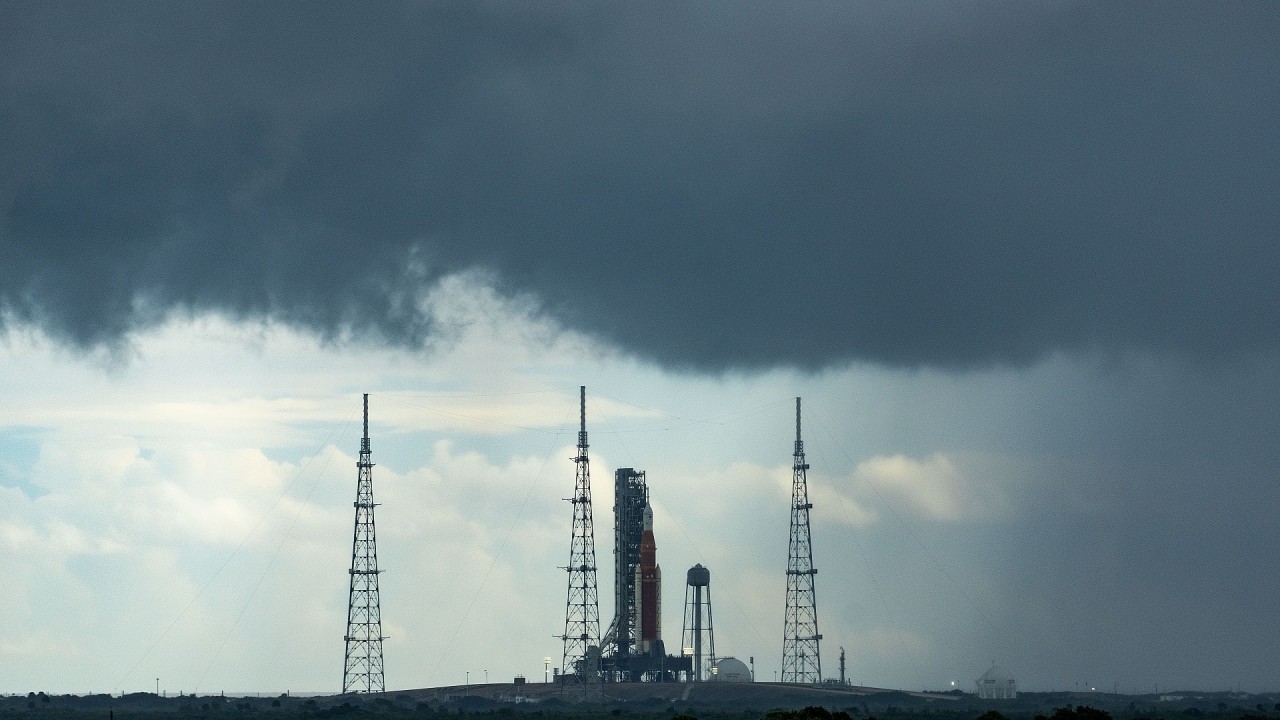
(667, 423)
(697, 551)
(334, 436)
(910, 532)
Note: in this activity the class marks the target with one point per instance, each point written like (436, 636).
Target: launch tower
(362, 671)
(630, 498)
(582, 604)
(801, 661)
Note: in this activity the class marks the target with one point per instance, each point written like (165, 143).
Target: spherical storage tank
(730, 670)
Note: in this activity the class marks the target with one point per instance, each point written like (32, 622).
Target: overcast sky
(1019, 259)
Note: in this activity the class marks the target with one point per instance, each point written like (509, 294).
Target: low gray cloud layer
(706, 185)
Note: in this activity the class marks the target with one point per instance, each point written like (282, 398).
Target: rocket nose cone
(648, 517)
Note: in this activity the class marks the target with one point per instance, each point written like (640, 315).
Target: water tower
(699, 636)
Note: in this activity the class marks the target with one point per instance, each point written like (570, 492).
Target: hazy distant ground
(654, 702)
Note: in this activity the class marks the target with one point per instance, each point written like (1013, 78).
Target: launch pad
(632, 649)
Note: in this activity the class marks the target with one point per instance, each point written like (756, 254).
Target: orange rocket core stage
(649, 575)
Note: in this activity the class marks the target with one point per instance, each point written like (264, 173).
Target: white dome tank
(729, 669)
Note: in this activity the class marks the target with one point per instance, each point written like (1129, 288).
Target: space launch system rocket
(648, 620)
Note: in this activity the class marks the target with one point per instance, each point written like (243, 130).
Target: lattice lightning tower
(582, 605)
(801, 661)
(362, 670)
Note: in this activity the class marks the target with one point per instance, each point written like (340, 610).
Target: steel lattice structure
(630, 496)
(362, 671)
(801, 660)
(582, 604)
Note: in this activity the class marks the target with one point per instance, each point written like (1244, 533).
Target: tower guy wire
(362, 667)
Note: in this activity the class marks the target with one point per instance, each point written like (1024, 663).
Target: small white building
(996, 684)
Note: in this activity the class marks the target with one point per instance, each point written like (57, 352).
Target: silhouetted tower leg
(362, 671)
(582, 606)
(801, 661)
(699, 632)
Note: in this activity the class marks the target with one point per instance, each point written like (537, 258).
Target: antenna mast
(362, 669)
(582, 605)
(801, 660)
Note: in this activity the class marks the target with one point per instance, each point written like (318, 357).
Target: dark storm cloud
(709, 185)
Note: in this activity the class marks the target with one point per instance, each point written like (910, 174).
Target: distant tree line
(146, 706)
